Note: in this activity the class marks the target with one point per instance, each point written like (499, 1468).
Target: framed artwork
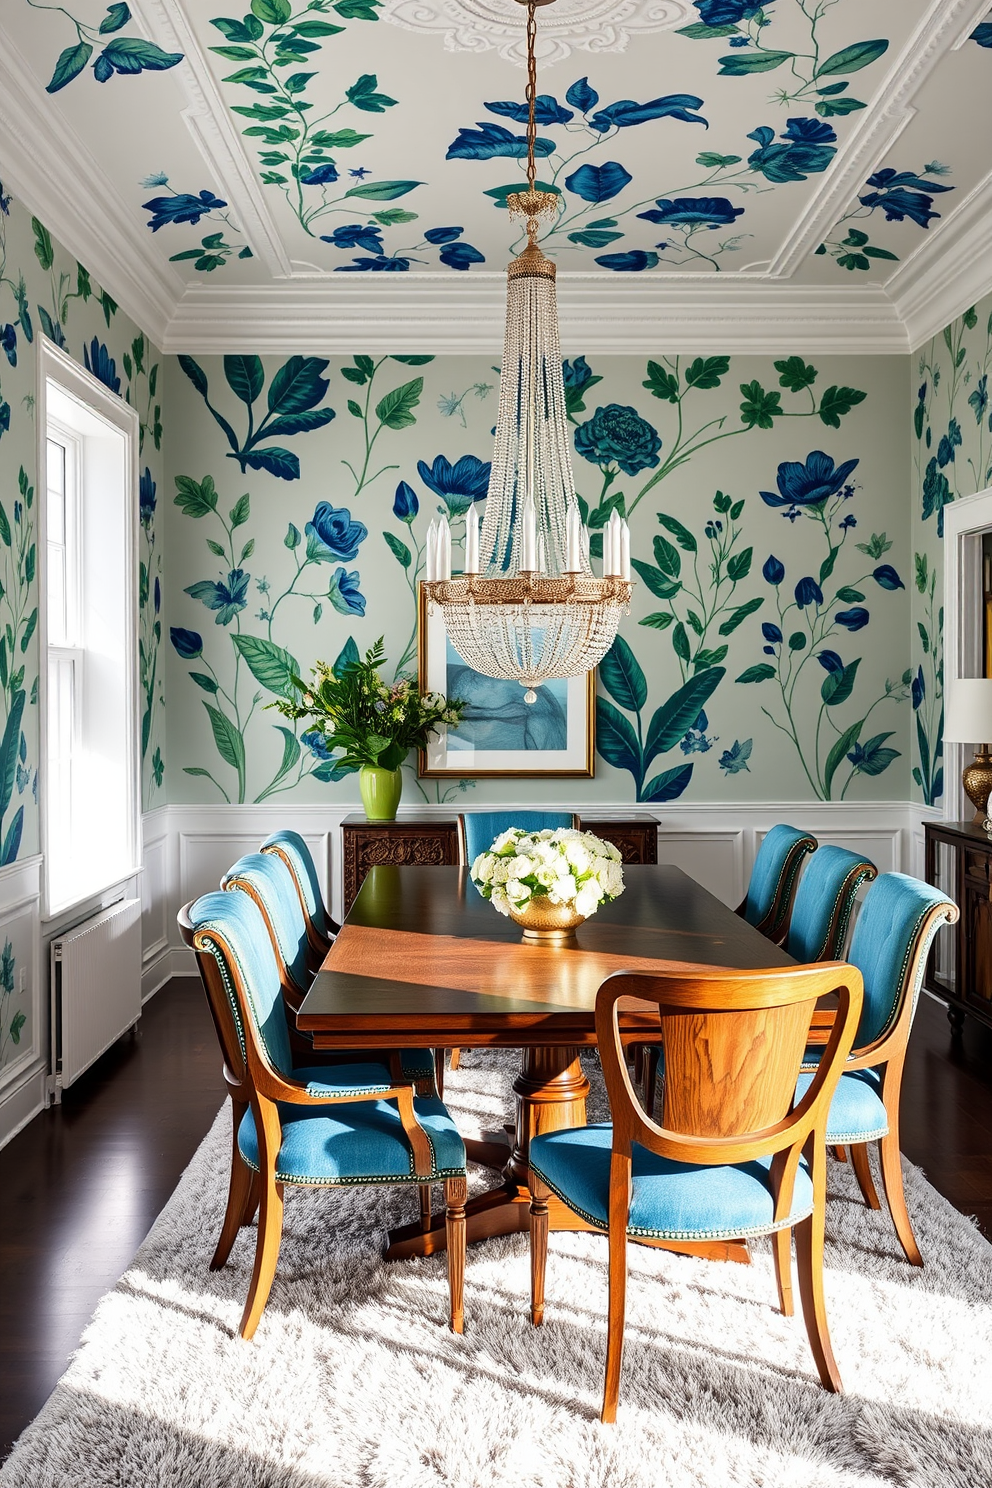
(499, 733)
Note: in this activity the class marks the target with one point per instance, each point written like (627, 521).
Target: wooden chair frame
(775, 925)
(254, 1084)
(888, 1053)
(711, 1007)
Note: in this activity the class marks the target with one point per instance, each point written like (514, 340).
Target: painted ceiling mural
(384, 135)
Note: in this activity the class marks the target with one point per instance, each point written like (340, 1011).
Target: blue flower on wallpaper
(4, 201)
(492, 141)
(734, 759)
(226, 598)
(146, 498)
(457, 485)
(886, 577)
(849, 521)
(332, 534)
(903, 194)
(188, 643)
(695, 740)
(157, 595)
(318, 746)
(547, 110)
(982, 34)
(804, 149)
(460, 255)
(771, 633)
(394, 265)
(405, 503)
(729, 12)
(949, 442)
(356, 235)
(936, 494)
(626, 113)
(4, 418)
(344, 593)
(830, 661)
(323, 174)
(443, 234)
(577, 374)
(631, 262)
(978, 400)
(689, 211)
(8, 342)
(102, 365)
(773, 570)
(599, 183)
(183, 207)
(808, 592)
(853, 619)
(582, 95)
(806, 484)
(618, 435)
(919, 689)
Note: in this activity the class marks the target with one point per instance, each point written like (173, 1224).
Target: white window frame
(96, 400)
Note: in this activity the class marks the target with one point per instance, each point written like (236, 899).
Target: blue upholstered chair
(266, 879)
(891, 941)
(291, 848)
(824, 901)
(478, 830)
(328, 1126)
(768, 902)
(733, 1158)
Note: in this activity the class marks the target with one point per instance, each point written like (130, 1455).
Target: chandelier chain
(531, 91)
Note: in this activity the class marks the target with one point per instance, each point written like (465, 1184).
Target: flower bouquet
(548, 881)
(371, 724)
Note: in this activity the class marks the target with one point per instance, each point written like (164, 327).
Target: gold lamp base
(977, 781)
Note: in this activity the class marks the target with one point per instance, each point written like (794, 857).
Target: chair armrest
(276, 1088)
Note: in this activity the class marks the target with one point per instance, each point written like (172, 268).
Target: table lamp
(967, 719)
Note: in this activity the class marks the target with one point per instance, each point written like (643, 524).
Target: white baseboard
(22, 1099)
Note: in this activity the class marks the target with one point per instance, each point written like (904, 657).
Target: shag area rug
(353, 1380)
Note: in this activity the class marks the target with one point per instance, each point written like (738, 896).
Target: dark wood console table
(959, 861)
(422, 840)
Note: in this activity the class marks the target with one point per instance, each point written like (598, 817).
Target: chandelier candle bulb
(611, 546)
(528, 537)
(471, 564)
(573, 540)
(624, 551)
(444, 550)
(430, 554)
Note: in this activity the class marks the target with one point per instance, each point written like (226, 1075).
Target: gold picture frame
(566, 718)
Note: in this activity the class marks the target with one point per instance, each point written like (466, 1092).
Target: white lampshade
(968, 711)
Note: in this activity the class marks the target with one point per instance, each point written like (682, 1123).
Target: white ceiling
(699, 173)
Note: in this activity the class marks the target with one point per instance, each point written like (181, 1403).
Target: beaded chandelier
(527, 605)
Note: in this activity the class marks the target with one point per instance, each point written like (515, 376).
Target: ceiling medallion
(574, 25)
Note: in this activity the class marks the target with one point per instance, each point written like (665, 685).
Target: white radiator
(96, 988)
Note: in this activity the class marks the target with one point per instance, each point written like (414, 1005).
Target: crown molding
(216, 136)
(948, 272)
(941, 30)
(60, 182)
(466, 314)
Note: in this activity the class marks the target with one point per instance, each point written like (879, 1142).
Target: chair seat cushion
(361, 1142)
(857, 1113)
(670, 1200)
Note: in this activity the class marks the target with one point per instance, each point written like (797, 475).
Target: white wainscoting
(188, 848)
(24, 1072)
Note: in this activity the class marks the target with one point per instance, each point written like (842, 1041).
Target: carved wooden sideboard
(959, 861)
(420, 839)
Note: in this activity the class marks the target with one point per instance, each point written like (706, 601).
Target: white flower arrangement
(566, 866)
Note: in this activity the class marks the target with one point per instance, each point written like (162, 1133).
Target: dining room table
(423, 961)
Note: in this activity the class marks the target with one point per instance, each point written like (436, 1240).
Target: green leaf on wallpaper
(355, 409)
(668, 785)
(681, 534)
(362, 95)
(202, 680)
(117, 16)
(850, 595)
(393, 216)
(836, 402)
(739, 65)
(922, 573)
(290, 751)
(245, 376)
(661, 383)
(736, 510)
(709, 658)
(272, 12)
(797, 641)
(17, 1022)
(660, 620)
(235, 54)
(418, 359)
(838, 686)
(623, 677)
(29, 629)
(827, 566)
(398, 549)
(679, 712)
(395, 410)
(696, 623)
(318, 610)
(739, 564)
(247, 550)
(667, 557)
(3, 661)
(760, 673)
(721, 503)
(269, 663)
(228, 739)
(4, 526)
(69, 65)
(706, 372)
(874, 759)
(852, 58)
(738, 616)
(659, 583)
(924, 638)
(382, 190)
(615, 738)
(699, 31)
(840, 747)
(795, 374)
(759, 409)
(970, 320)
(241, 510)
(44, 252)
(8, 750)
(311, 30)
(195, 498)
(215, 548)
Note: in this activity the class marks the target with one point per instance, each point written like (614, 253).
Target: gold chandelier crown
(527, 605)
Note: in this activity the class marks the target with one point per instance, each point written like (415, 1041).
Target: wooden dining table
(423, 961)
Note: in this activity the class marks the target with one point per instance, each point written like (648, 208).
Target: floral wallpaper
(766, 498)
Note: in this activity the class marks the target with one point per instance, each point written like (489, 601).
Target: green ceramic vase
(381, 790)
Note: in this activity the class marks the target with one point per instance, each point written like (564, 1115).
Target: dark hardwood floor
(82, 1183)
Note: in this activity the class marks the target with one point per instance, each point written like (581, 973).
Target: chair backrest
(234, 950)
(895, 929)
(265, 878)
(824, 900)
(478, 830)
(734, 1043)
(294, 852)
(773, 879)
